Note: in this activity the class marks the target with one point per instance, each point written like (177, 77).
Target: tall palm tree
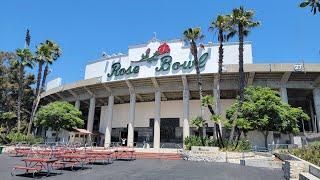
(193, 35)
(222, 26)
(47, 53)
(314, 4)
(242, 21)
(55, 53)
(24, 59)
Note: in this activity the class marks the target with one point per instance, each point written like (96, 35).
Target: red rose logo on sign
(163, 49)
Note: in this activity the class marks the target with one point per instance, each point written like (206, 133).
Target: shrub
(310, 154)
(19, 137)
(315, 145)
(243, 145)
(199, 141)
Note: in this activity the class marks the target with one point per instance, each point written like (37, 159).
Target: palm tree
(46, 54)
(222, 26)
(242, 22)
(193, 35)
(24, 59)
(314, 4)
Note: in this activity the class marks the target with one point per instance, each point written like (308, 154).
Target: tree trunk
(241, 72)
(218, 102)
(194, 52)
(218, 134)
(39, 77)
(238, 138)
(44, 79)
(57, 135)
(33, 113)
(234, 117)
(20, 94)
(34, 104)
(266, 134)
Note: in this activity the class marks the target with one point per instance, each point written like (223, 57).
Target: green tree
(11, 84)
(314, 4)
(242, 22)
(208, 102)
(223, 26)
(264, 111)
(24, 59)
(192, 36)
(198, 122)
(59, 115)
(47, 53)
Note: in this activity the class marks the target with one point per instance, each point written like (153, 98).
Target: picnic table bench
(74, 159)
(124, 154)
(21, 151)
(104, 156)
(35, 165)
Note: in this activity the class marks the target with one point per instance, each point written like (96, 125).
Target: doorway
(170, 132)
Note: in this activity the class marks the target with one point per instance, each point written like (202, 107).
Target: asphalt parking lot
(150, 169)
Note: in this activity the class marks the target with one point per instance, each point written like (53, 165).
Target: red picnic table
(124, 153)
(21, 151)
(74, 159)
(95, 156)
(35, 165)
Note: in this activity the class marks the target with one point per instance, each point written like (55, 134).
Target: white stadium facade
(150, 94)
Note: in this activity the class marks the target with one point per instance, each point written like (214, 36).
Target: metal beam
(52, 97)
(73, 93)
(89, 91)
(101, 101)
(111, 93)
(285, 78)
(132, 90)
(157, 88)
(251, 78)
(60, 96)
(119, 99)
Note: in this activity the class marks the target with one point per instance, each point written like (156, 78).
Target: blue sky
(85, 28)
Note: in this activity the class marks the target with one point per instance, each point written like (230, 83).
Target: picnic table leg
(27, 171)
(12, 171)
(48, 170)
(82, 164)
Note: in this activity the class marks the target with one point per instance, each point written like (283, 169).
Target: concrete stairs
(165, 156)
(307, 176)
(312, 174)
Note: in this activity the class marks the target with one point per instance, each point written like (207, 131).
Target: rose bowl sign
(162, 54)
(160, 59)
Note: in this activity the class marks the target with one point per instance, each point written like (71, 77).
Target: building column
(157, 116)
(77, 104)
(284, 94)
(92, 107)
(316, 99)
(132, 111)
(186, 126)
(107, 134)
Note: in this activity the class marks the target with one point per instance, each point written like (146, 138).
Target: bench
(106, 159)
(65, 164)
(33, 170)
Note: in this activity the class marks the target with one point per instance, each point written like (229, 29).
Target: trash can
(1, 149)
